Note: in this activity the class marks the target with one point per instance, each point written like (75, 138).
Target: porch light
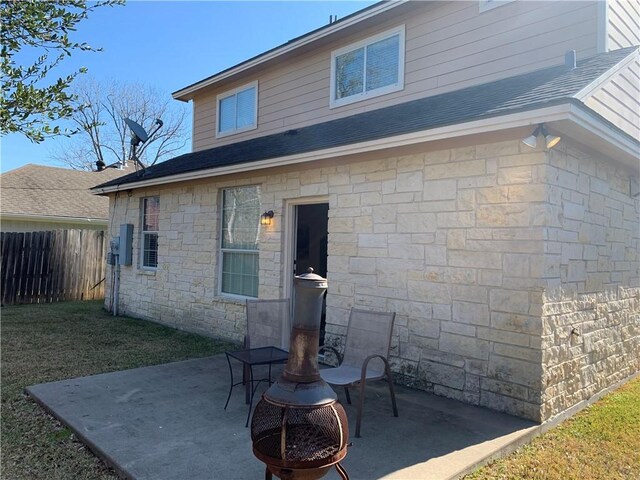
(265, 218)
(532, 140)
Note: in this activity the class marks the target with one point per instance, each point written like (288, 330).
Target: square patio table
(250, 357)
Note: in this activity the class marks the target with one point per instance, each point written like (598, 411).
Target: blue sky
(172, 44)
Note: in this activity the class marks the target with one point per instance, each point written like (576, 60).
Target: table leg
(247, 372)
(251, 398)
(231, 384)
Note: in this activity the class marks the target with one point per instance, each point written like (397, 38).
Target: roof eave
(187, 93)
(52, 218)
(568, 110)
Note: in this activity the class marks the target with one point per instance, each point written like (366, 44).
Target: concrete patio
(167, 422)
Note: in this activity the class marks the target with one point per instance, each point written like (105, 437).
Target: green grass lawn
(600, 442)
(44, 343)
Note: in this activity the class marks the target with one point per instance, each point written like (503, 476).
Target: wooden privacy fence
(42, 267)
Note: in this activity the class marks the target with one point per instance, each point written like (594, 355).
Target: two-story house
(472, 166)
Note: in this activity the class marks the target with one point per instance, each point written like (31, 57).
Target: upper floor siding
(623, 23)
(448, 46)
(618, 100)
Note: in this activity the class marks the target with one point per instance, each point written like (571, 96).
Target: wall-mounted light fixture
(532, 140)
(265, 218)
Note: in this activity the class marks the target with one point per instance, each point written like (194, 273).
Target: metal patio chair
(268, 323)
(365, 357)
(268, 329)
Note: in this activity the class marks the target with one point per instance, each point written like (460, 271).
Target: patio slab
(167, 422)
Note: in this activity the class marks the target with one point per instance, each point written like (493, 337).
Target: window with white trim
(237, 110)
(239, 244)
(150, 227)
(369, 68)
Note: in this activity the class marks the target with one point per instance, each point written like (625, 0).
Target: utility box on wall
(126, 244)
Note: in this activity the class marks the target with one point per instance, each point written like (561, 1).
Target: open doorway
(310, 246)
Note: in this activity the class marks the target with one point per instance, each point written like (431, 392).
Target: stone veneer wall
(453, 241)
(591, 312)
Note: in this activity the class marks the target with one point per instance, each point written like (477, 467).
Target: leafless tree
(105, 137)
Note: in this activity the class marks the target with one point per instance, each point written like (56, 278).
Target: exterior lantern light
(265, 218)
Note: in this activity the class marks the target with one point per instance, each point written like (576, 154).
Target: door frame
(290, 228)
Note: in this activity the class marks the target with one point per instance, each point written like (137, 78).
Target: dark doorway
(312, 227)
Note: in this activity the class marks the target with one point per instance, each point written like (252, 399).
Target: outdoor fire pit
(299, 429)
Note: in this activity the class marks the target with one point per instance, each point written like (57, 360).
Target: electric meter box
(126, 244)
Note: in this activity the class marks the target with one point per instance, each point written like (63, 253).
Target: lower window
(240, 236)
(150, 214)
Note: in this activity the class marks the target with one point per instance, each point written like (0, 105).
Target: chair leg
(360, 407)
(391, 389)
(346, 392)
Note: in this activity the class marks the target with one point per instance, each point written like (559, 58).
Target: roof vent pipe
(570, 59)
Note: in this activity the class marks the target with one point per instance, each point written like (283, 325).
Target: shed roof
(43, 191)
(530, 91)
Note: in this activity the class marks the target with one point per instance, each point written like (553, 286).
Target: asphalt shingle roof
(519, 93)
(51, 191)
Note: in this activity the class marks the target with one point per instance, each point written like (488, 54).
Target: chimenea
(299, 429)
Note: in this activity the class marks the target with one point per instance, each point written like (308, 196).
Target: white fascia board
(492, 124)
(590, 89)
(53, 219)
(602, 129)
(186, 93)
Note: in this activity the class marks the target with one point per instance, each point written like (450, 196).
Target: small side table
(250, 357)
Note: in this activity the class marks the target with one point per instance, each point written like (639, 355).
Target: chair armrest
(365, 364)
(332, 350)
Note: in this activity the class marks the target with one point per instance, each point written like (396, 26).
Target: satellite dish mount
(139, 135)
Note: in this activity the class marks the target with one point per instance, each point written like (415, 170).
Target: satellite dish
(139, 133)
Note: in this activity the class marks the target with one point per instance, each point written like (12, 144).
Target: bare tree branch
(104, 135)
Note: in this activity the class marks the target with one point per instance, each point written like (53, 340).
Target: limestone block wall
(448, 241)
(591, 311)
(470, 246)
(181, 292)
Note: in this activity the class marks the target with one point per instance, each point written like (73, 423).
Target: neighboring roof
(41, 191)
(529, 91)
(187, 92)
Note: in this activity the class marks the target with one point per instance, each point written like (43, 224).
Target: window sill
(150, 273)
(228, 133)
(361, 97)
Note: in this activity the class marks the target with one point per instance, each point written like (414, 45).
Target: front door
(310, 245)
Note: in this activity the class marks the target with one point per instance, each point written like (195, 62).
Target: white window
(369, 68)
(238, 110)
(150, 226)
(489, 4)
(240, 236)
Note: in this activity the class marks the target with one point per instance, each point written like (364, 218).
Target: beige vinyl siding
(619, 99)
(623, 23)
(448, 46)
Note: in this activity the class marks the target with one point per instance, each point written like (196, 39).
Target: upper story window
(150, 227)
(489, 4)
(239, 245)
(238, 110)
(369, 68)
